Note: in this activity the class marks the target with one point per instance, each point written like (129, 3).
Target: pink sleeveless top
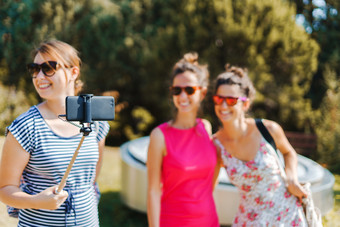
(187, 175)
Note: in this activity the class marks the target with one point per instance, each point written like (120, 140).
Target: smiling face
(187, 103)
(228, 113)
(60, 85)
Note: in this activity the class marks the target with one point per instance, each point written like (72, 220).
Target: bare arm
(208, 128)
(154, 164)
(290, 158)
(13, 161)
(218, 165)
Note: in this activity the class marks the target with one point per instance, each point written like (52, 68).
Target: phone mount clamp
(86, 124)
(86, 130)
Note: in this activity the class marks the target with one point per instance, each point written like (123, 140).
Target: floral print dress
(264, 198)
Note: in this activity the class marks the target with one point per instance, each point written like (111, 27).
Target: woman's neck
(234, 130)
(54, 108)
(184, 121)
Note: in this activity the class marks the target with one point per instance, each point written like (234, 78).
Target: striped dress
(50, 155)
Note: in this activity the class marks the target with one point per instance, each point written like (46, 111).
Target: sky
(318, 13)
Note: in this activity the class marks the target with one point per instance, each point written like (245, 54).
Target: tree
(131, 45)
(25, 24)
(259, 35)
(322, 21)
(328, 130)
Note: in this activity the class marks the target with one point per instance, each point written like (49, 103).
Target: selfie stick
(86, 131)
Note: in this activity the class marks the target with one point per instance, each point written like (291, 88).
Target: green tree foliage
(25, 24)
(328, 129)
(280, 56)
(13, 102)
(322, 21)
(131, 46)
(260, 35)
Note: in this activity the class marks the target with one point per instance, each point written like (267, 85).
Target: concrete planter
(134, 182)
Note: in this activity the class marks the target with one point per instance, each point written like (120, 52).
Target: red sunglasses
(190, 90)
(231, 101)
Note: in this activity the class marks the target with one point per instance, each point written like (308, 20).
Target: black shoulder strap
(265, 133)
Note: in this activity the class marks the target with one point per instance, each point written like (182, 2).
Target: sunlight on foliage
(12, 104)
(142, 119)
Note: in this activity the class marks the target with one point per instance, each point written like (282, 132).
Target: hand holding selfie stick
(85, 129)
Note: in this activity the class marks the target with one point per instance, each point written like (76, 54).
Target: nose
(183, 93)
(39, 74)
(224, 104)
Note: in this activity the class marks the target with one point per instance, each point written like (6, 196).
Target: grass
(113, 213)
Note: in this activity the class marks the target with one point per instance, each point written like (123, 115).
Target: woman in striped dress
(39, 147)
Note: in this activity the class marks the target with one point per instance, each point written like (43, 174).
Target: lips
(184, 104)
(43, 85)
(225, 112)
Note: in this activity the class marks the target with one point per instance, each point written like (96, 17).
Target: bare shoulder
(156, 135)
(207, 126)
(157, 141)
(12, 144)
(274, 128)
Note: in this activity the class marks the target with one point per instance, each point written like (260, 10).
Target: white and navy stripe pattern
(50, 155)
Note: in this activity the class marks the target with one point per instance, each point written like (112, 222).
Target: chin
(226, 118)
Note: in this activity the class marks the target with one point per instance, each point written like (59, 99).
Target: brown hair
(189, 62)
(238, 76)
(65, 54)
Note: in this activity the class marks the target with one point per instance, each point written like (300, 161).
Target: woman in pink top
(182, 160)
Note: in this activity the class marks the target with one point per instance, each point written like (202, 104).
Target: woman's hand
(296, 189)
(48, 199)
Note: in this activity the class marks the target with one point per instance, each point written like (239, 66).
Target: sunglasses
(48, 68)
(175, 90)
(231, 101)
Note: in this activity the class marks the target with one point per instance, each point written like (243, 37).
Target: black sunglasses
(175, 90)
(48, 68)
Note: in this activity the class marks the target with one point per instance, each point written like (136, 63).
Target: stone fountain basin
(134, 182)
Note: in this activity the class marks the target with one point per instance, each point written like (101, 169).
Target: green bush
(328, 130)
(12, 103)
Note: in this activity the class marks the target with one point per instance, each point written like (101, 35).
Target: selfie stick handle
(86, 131)
(63, 180)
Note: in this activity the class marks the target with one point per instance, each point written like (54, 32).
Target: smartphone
(102, 108)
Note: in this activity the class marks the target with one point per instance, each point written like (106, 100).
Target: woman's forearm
(13, 196)
(154, 208)
(291, 166)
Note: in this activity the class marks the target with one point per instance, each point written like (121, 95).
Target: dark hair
(236, 76)
(189, 62)
(64, 53)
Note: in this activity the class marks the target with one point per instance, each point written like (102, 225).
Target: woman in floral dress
(265, 198)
